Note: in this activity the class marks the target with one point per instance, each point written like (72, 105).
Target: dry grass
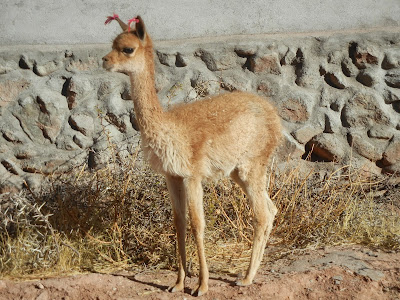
(120, 217)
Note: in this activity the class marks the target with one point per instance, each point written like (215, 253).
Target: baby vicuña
(232, 134)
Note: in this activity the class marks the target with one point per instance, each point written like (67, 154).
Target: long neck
(148, 110)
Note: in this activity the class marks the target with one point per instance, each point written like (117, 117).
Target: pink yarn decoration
(134, 20)
(109, 19)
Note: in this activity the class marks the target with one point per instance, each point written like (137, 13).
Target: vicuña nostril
(105, 58)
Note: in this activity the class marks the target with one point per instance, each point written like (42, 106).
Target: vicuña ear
(140, 28)
(122, 24)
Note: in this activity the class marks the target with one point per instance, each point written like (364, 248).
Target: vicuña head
(131, 49)
(232, 134)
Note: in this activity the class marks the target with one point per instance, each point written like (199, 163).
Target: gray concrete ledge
(82, 22)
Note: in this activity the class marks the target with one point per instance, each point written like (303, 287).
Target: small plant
(173, 92)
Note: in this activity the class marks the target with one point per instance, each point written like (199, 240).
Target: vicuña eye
(127, 50)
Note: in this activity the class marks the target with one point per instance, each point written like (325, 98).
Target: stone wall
(338, 96)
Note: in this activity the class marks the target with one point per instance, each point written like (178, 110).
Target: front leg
(194, 192)
(178, 199)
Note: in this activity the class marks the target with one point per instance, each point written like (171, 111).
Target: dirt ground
(331, 273)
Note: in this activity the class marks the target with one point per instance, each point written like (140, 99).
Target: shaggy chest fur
(166, 154)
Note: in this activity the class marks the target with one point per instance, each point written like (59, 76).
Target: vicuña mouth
(107, 67)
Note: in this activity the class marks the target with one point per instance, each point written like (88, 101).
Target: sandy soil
(332, 273)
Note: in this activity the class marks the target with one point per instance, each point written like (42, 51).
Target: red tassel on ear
(134, 20)
(109, 19)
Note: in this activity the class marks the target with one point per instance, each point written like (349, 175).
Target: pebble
(3, 284)
(39, 286)
(337, 279)
(372, 254)
(43, 296)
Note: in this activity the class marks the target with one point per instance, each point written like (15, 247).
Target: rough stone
(167, 59)
(54, 163)
(270, 86)
(11, 166)
(162, 80)
(83, 123)
(307, 76)
(14, 136)
(396, 106)
(392, 78)
(120, 122)
(363, 146)
(181, 60)
(52, 113)
(205, 84)
(290, 148)
(112, 83)
(391, 95)
(363, 110)
(218, 61)
(34, 181)
(42, 63)
(82, 141)
(392, 169)
(348, 68)
(266, 64)
(10, 89)
(332, 122)
(334, 99)
(381, 132)
(366, 77)
(48, 68)
(392, 153)
(246, 50)
(264, 88)
(349, 260)
(3, 147)
(25, 151)
(334, 80)
(25, 62)
(207, 58)
(7, 66)
(10, 183)
(307, 132)
(294, 110)
(363, 55)
(65, 141)
(328, 147)
(335, 57)
(296, 106)
(79, 65)
(114, 104)
(227, 61)
(232, 81)
(76, 89)
(391, 59)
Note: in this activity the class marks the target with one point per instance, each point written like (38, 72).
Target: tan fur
(228, 135)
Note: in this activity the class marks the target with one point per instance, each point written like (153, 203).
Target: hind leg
(264, 210)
